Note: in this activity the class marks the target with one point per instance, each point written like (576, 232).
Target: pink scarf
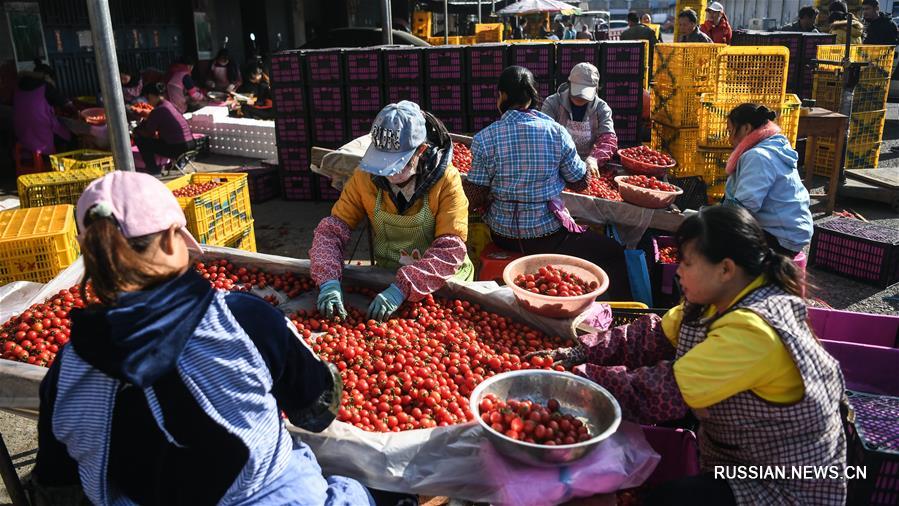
(756, 136)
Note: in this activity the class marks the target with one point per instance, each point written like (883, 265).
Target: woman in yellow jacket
(739, 353)
(411, 194)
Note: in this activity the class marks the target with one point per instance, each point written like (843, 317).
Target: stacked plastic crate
(485, 63)
(682, 73)
(868, 105)
(540, 59)
(793, 41)
(403, 74)
(446, 86)
(810, 43)
(292, 125)
(753, 74)
(623, 76)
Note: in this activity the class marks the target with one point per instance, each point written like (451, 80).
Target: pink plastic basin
(547, 305)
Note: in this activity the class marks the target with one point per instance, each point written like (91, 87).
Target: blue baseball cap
(397, 132)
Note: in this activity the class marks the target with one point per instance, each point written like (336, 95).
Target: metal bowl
(584, 399)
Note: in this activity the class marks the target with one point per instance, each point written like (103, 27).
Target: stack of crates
(540, 59)
(55, 188)
(37, 244)
(292, 129)
(421, 24)
(793, 41)
(623, 70)
(403, 74)
(868, 105)
(446, 86)
(82, 159)
(221, 216)
(488, 32)
(682, 72)
(810, 43)
(697, 5)
(485, 63)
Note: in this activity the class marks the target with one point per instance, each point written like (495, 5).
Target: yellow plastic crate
(220, 213)
(758, 73)
(676, 106)
(54, 188)
(880, 58)
(866, 127)
(488, 32)
(686, 64)
(866, 97)
(697, 5)
(858, 156)
(713, 119)
(244, 239)
(37, 243)
(82, 159)
(713, 170)
(681, 143)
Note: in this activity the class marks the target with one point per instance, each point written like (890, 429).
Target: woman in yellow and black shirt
(739, 353)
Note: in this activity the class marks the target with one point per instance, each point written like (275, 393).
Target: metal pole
(446, 21)
(108, 72)
(479, 11)
(387, 19)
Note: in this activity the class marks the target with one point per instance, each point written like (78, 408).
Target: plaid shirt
(525, 158)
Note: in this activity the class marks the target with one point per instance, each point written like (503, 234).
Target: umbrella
(537, 6)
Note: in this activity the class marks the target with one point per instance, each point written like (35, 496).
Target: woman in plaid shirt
(520, 165)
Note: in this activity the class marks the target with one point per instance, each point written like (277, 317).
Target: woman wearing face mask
(407, 188)
(520, 165)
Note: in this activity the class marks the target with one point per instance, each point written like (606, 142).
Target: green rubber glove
(385, 303)
(330, 300)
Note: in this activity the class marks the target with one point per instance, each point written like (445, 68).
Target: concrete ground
(285, 228)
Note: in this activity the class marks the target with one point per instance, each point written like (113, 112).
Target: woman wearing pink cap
(171, 392)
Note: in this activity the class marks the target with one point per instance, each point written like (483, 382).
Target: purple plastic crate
(627, 127)
(545, 88)
(293, 159)
(444, 64)
(299, 186)
(326, 192)
(873, 442)
(405, 64)
(289, 100)
(364, 98)
(455, 123)
(538, 58)
(287, 68)
(263, 182)
(852, 327)
(621, 58)
(793, 41)
(622, 94)
(482, 97)
(323, 66)
(397, 92)
(292, 129)
(569, 54)
(486, 61)
(362, 65)
(360, 126)
(326, 99)
(480, 122)
(446, 97)
(856, 249)
(329, 131)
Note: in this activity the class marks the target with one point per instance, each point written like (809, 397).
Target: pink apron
(35, 122)
(174, 90)
(220, 77)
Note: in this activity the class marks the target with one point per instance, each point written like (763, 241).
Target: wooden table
(819, 122)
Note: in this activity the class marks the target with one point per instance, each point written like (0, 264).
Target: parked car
(360, 37)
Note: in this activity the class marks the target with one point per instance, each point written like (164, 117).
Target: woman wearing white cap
(407, 188)
(716, 25)
(171, 392)
(587, 117)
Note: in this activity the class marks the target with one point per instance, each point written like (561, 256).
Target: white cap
(584, 79)
(715, 7)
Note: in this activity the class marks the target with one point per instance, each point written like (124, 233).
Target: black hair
(633, 17)
(689, 14)
(223, 53)
(438, 134)
(157, 89)
(751, 114)
(726, 231)
(252, 68)
(837, 6)
(42, 68)
(837, 16)
(808, 12)
(520, 88)
(872, 3)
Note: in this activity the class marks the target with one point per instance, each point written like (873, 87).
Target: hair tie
(100, 210)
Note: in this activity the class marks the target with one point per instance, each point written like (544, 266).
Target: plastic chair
(182, 162)
(37, 162)
(493, 262)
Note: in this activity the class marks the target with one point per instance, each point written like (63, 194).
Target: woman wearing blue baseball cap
(411, 194)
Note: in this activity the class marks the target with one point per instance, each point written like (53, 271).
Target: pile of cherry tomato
(650, 183)
(554, 282)
(142, 109)
(531, 422)
(461, 157)
(644, 154)
(224, 275)
(195, 189)
(669, 255)
(603, 187)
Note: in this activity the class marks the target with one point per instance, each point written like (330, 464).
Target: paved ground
(285, 228)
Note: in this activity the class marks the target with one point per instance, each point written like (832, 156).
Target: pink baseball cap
(140, 203)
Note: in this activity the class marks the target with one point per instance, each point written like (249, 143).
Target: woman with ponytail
(737, 352)
(762, 178)
(519, 167)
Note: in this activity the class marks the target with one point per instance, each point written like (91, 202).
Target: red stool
(23, 167)
(493, 262)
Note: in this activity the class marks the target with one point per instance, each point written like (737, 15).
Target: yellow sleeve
(741, 352)
(452, 206)
(671, 323)
(350, 208)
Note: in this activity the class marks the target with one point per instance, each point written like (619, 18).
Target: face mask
(405, 174)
